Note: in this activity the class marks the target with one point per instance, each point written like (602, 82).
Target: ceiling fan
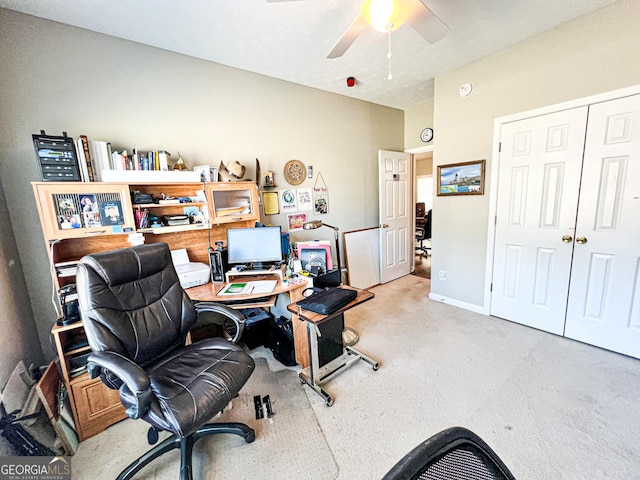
(387, 15)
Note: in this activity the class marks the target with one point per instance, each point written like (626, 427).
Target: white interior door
(396, 234)
(604, 298)
(539, 178)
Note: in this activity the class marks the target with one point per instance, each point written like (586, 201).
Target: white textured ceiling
(290, 40)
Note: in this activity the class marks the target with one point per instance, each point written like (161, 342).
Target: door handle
(581, 240)
(567, 238)
(384, 225)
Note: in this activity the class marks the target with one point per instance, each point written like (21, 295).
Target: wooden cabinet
(94, 405)
(75, 222)
(187, 199)
(71, 210)
(233, 202)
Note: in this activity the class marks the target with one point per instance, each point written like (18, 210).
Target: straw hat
(233, 173)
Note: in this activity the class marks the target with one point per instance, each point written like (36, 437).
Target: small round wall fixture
(465, 90)
(426, 135)
(294, 172)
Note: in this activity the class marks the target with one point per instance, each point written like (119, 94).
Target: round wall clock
(426, 135)
(294, 172)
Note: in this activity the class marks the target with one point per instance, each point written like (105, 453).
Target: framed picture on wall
(466, 178)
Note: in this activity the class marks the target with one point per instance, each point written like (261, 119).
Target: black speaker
(218, 259)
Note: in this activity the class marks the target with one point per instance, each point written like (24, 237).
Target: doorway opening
(423, 182)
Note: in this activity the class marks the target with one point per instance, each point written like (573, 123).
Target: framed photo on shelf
(88, 203)
(205, 172)
(111, 213)
(466, 178)
(213, 173)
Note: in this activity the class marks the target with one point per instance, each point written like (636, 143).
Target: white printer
(190, 274)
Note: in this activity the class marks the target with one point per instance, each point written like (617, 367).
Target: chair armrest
(232, 320)
(134, 377)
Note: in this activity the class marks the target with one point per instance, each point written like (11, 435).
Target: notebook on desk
(249, 288)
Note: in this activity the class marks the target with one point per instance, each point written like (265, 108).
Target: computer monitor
(257, 247)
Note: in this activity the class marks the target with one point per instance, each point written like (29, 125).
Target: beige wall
(18, 330)
(415, 120)
(594, 54)
(424, 164)
(59, 78)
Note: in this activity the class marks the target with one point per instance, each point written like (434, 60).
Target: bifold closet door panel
(539, 177)
(604, 297)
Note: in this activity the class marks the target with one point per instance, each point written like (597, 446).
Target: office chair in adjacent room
(424, 234)
(137, 317)
(420, 214)
(453, 454)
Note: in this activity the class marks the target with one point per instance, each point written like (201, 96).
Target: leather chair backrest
(427, 225)
(132, 302)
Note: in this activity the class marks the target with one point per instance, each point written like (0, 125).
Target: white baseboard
(457, 303)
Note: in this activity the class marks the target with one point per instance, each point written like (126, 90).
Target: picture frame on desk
(315, 254)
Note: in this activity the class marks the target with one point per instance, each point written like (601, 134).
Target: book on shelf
(66, 270)
(82, 162)
(87, 156)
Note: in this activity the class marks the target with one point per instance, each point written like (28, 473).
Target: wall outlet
(442, 274)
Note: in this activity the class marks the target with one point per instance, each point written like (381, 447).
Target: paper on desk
(246, 288)
(263, 286)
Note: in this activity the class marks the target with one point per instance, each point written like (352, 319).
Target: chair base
(185, 444)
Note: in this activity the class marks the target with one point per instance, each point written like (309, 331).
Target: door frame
(414, 188)
(495, 166)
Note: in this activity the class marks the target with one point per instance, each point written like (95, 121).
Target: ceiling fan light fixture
(383, 15)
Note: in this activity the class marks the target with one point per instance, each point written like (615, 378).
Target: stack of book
(96, 157)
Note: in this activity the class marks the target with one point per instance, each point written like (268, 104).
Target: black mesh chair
(137, 317)
(453, 454)
(424, 234)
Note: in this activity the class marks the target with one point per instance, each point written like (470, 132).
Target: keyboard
(242, 301)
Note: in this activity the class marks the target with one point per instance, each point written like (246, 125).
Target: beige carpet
(552, 408)
(290, 443)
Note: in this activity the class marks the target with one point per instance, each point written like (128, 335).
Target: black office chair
(453, 454)
(136, 317)
(424, 234)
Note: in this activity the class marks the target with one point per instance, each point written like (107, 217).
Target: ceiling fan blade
(427, 23)
(348, 37)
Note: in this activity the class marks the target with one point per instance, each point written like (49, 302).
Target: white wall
(60, 78)
(594, 54)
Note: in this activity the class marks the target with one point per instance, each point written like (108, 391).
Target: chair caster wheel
(375, 367)
(250, 437)
(152, 436)
(329, 402)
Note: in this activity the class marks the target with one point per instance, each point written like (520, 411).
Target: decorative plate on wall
(294, 172)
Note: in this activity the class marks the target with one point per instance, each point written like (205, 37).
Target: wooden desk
(316, 372)
(209, 293)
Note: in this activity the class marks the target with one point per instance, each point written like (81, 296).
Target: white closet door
(604, 298)
(539, 178)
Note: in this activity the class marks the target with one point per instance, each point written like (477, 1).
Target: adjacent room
(276, 239)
